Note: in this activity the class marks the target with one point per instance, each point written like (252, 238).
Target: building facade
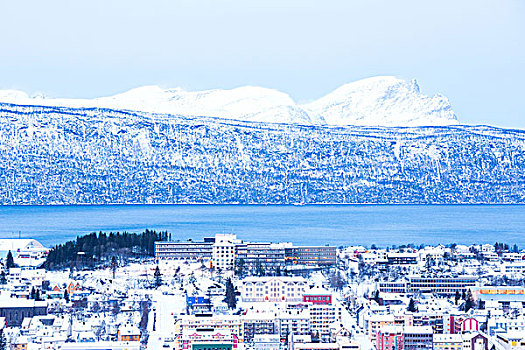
(17, 309)
(265, 256)
(189, 324)
(207, 339)
(390, 338)
(311, 256)
(183, 250)
(253, 325)
(418, 337)
(225, 251)
(294, 322)
(318, 296)
(273, 289)
(445, 285)
(447, 342)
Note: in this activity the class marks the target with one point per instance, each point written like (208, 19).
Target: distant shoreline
(261, 204)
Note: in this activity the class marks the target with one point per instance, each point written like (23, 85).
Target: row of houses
(279, 320)
(272, 307)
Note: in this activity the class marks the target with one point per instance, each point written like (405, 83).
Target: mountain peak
(385, 100)
(381, 100)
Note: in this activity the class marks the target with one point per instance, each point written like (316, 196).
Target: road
(162, 317)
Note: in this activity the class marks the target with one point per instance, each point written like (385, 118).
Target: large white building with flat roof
(223, 251)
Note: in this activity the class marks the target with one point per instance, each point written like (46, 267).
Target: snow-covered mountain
(383, 101)
(386, 101)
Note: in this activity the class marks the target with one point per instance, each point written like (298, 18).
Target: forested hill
(59, 155)
(98, 248)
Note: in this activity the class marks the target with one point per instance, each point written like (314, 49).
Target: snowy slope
(245, 103)
(386, 101)
(62, 155)
(383, 101)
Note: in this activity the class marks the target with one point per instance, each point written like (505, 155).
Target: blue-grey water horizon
(382, 225)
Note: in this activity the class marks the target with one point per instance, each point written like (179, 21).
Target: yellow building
(128, 332)
(376, 322)
(447, 342)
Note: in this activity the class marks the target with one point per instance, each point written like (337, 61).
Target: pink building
(390, 338)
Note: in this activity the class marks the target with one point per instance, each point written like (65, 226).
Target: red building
(318, 296)
(462, 324)
(390, 338)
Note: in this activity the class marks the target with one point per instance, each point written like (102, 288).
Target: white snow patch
(383, 101)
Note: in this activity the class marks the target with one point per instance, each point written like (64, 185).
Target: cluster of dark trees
(95, 249)
(503, 247)
(337, 280)
(231, 294)
(3, 340)
(412, 306)
(9, 263)
(468, 299)
(35, 294)
(158, 277)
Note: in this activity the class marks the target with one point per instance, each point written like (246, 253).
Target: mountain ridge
(385, 101)
(63, 155)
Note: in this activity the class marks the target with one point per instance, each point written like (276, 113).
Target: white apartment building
(267, 342)
(504, 324)
(488, 248)
(514, 268)
(432, 253)
(322, 317)
(273, 289)
(368, 258)
(223, 251)
(294, 321)
(512, 256)
(490, 256)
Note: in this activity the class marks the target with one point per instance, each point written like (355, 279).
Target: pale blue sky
(472, 51)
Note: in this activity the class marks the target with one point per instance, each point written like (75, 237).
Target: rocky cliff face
(61, 155)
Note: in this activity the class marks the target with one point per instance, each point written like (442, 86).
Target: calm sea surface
(383, 225)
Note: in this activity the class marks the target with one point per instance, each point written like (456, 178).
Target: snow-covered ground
(114, 302)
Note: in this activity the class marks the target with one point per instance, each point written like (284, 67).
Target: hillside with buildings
(224, 292)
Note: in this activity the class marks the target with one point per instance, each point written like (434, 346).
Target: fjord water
(383, 225)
